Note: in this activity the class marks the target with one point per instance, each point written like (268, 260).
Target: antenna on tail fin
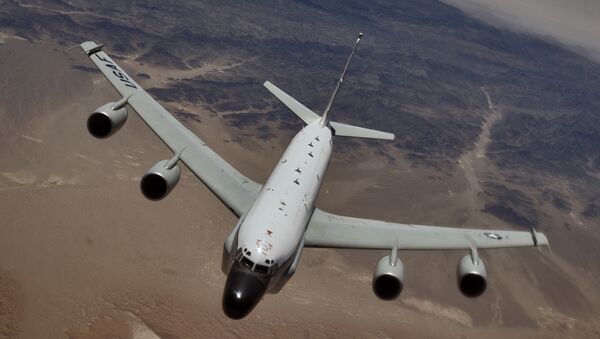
(324, 118)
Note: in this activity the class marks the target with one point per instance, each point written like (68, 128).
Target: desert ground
(573, 23)
(84, 255)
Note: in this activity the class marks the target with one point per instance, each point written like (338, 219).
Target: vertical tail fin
(325, 117)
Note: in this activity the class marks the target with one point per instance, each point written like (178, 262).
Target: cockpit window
(267, 269)
(261, 269)
(238, 254)
(246, 262)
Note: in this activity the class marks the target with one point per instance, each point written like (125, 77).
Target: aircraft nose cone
(243, 291)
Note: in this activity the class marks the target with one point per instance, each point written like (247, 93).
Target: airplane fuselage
(270, 234)
(279, 219)
(275, 224)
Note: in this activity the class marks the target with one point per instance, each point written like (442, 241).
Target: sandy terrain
(573, 23)
(84, 255)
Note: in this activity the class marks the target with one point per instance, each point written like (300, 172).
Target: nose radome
(243, 291)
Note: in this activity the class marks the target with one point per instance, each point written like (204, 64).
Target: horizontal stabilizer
(301, 111)
(345, 130)
(309, 116)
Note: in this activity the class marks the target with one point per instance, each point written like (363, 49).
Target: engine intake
(472, 277)
(107, 120)
(388, 278)
(160, 180)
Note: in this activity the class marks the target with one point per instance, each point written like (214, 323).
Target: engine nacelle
(107, 120)
(472, 277)
(388, 278)
(158, 182)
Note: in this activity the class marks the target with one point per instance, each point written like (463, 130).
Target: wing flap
(330, 230)
(233, 188)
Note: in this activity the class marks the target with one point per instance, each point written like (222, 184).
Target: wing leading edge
(235, 190)
(324, 229)
(330, 230)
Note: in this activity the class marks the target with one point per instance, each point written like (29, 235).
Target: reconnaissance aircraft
(278, 220)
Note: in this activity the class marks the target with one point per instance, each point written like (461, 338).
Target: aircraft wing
(233, 188)
(330, 230)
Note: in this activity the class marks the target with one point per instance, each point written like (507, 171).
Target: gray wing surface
(330, 230)
(233, 188)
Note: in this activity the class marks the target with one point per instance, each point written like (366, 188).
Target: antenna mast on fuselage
(324, 117)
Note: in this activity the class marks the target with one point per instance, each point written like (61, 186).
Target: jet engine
(472, 277)
(388, 277)
(107, 119)
(158, 182)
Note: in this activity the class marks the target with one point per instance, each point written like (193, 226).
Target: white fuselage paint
(275, 224)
